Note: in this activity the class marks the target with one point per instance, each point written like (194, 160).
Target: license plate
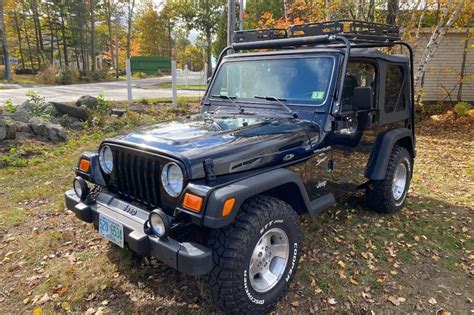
(111, 230)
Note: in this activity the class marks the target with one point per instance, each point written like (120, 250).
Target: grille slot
(136, 177)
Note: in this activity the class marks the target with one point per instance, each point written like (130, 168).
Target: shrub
(67, 75)
(38, 109)
(462, 109)
(9, 106)
(48, 75)
(103, 105)
(96, 76)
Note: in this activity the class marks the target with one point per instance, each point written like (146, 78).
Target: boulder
(7, 129)
(87, 101)
(117, 112)
(3, 129)
(76, 112)
(38, 126)
(22, 127)
(26, 106)
(20, 115)
(49, 108)
(47, 130)
(55, 132)
(70, 122)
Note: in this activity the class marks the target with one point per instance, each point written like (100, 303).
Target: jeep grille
(136, 176)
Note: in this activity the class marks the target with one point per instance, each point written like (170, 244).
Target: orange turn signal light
(85, 165)
(228, 205)
(192, 202)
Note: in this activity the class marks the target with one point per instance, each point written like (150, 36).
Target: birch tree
(441, 28)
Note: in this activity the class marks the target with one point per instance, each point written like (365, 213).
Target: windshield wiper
(279, 101)
(230, 98)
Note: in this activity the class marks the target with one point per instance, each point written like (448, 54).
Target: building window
(394, 96)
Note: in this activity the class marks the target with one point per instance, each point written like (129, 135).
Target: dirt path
(419, 260)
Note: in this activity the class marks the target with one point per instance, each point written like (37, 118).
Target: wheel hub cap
(399, 181)
(269, 260)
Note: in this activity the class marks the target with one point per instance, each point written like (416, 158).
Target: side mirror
(363, 98)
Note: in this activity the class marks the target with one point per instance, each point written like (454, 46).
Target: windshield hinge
(208, 165)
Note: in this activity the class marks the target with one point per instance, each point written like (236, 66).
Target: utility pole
(230, 21)
(6, 58)
(241, 14)
(117, 25)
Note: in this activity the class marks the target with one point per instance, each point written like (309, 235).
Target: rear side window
(394, 96)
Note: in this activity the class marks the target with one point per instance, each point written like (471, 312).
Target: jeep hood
(233, 143)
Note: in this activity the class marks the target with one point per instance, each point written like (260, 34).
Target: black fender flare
(380, 156)
(246, 188)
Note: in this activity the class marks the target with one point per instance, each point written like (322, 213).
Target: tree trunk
(51, 30)
(38, 31)
(371, 11)
(360, 9)
(208, 52)
(463, 64)
(20, 40)
(82, 39)
(418, 28)
(117, 49)
(92, 13)
(131, 7)
(108, 16)
(63, 34)
(392, 11)
(28, 45)
(435, 40)
(58, 44)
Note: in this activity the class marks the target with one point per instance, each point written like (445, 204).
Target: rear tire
(389, 195)
(261, 247)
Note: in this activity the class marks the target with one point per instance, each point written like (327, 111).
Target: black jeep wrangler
(291, 121)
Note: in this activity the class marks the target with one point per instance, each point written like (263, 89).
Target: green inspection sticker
(317, 95)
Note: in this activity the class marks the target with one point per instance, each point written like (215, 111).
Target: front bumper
(186, 257)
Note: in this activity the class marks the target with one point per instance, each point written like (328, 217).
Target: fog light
(159, 223)
(80, 188)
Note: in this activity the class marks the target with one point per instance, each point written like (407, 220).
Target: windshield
(296, 81)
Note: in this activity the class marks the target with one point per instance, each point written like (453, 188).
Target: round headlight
(159, 223)
(106, 159)
(80, 188)
(172, 179)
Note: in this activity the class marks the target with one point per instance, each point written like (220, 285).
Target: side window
(394, 99)
(359, 74)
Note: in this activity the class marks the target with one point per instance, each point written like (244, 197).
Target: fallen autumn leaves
(420, 260)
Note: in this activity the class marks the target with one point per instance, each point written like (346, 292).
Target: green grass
(12, 217)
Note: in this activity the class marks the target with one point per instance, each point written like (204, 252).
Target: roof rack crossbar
(352, 29)
(279, 43)
(258, 35)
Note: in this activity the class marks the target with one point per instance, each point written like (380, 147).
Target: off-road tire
(232, 249)
(379, 192)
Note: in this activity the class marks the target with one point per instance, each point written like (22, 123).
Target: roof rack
(355, 31)
(258, 35)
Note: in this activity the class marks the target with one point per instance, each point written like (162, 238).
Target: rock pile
(46, 119)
